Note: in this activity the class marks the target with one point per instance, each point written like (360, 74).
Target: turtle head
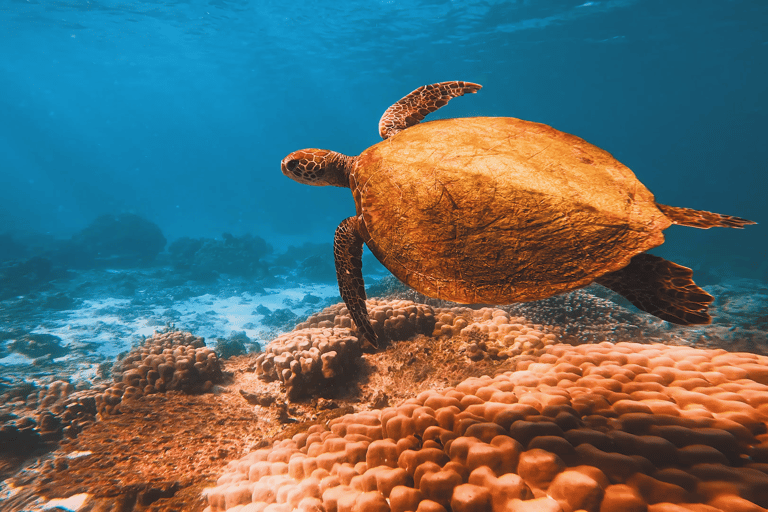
(318, 167)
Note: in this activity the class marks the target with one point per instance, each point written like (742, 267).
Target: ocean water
(181, 111)
(141, 141)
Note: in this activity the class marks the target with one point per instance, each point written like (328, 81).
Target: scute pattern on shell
(600, 428)
(547, 211)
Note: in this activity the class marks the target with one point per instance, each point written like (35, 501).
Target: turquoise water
(181, 111)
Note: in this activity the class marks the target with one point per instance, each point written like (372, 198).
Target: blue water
(180, 111)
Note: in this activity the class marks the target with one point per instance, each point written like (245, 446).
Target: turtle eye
(292, 164)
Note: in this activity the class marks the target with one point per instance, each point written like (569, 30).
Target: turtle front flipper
(348, 253)
(421, 102)
(661, 288)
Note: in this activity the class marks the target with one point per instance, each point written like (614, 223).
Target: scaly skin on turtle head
(318, 167)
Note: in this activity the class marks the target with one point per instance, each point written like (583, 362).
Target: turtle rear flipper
(661, 288)
(701, 219)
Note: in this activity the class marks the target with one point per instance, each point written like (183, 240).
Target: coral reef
(237, 344)
(433, 346)
(113, 241)
(37, 345)
(596, 395)
(594, 314)
(60, 302)
(309, 361)
(492, 333)
(317, 268)
(323, 348)
(584, 315)
(321, 353)
(391, 319)
(154, 457)
(11, 248)
(204, 259)
(21, 277)
(599, 428)
(167, 361)
(281, 318)
(309, 262)
(35, 418)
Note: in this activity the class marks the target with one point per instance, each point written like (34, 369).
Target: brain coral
(596, 428)
(584, 314)
(393, 319)
(321, 352)
(173, 360)
(301, 360)
(397, 320)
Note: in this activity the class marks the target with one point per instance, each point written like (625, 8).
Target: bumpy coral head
(317, 167)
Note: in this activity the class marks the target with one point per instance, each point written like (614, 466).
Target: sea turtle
(497, 210)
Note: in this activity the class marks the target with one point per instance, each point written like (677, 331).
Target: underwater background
(181, 111)
(143, 212)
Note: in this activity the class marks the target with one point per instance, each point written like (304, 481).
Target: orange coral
(173, 360)
(320, 352)
(599, 428)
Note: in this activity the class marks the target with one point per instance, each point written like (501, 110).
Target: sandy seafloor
(105, 321)
(102, 328)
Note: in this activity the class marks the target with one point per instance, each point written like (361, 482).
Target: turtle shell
(499, 210)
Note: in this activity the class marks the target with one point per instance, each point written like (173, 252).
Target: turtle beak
(283, 166)
(289, 167)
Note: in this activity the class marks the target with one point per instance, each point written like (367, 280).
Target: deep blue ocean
(181, 111)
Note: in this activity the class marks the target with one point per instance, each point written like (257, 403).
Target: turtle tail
(662, 288)
(700, 218)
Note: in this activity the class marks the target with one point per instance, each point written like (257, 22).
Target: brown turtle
(497, 210)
